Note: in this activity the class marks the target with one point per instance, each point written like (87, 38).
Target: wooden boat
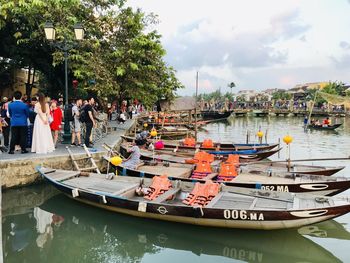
(215, 115)
(281, 182)
(240, 244)
(245, 156)
(171, 144)
(277, 167)
(172, 133)
(262, 167)
(327, 128)
(232, 207)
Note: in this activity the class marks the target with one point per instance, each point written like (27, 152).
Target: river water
(41, 225)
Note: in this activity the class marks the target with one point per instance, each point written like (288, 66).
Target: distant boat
(215, 115)
(230, 207)
(321, 127)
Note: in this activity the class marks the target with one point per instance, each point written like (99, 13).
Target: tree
(281, 95)
(231, 85)
(119, 57)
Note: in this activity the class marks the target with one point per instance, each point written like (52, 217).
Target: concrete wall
(15, 173)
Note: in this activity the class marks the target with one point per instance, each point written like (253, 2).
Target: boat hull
(204, 217)
(327, 128)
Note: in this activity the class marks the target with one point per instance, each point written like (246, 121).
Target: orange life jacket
(233, 158)
(202, 194)
(208, 143)
(203, 167)
(201, 157)
(189, 142)
(160, 184)
(228, 171)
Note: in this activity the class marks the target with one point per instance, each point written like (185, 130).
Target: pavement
(111, 139)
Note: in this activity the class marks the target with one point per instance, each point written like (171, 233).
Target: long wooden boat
(232, 207)
(244, 156)
(281, 182)
(171, 144)
(239, 244)
(278, 167)
(327, 128)
(257, 168)
(215, 115)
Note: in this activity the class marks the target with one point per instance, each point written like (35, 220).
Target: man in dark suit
(19, 113)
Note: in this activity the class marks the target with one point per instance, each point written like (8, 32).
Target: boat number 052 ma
(242, 215)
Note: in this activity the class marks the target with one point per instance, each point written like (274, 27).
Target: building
(19, 80)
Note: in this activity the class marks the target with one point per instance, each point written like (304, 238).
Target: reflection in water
(63, 227)
(310, 144)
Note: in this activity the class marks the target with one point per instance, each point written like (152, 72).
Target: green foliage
(216, 96)
(118, 53)
(281, 95)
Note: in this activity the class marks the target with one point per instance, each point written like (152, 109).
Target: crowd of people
(36, 123)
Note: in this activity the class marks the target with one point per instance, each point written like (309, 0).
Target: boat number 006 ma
(242, 215)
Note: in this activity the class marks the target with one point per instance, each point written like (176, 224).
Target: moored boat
(279, 181)
(260, 167)
(171, 144)
(276, 167)
(244, 155)
(229, 207)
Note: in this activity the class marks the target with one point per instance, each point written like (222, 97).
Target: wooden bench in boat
(183, 172)
(214, 200)
(60, 175)
(124, 190)
(210, 176)
(166, 195)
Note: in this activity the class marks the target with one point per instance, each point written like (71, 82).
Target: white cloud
(256, 44)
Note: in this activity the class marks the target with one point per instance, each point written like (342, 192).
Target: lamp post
(65, 47)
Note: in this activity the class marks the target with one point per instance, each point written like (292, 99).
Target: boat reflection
(327, 229)
(63, 227)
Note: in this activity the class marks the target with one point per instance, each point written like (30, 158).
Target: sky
(255, 44)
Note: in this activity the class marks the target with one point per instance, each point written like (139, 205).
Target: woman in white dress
(42, 138)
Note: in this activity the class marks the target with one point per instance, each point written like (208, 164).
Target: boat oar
(299, 160)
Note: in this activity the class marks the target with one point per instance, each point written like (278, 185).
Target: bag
(82, 116)
(50, 119)
(70, 116)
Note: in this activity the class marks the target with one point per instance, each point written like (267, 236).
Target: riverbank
(19, 169)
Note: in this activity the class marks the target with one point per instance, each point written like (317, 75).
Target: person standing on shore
(32, 115)
(18, 113)
(42, 138)
(89, 120)
(56, 124)
(6, 127)
(75, 124)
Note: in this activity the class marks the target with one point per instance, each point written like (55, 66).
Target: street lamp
(65, 46)
(50, 31)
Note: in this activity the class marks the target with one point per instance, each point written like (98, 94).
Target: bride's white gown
(42, 138)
